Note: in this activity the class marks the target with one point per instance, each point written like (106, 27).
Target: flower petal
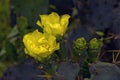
(39, 23)
(64, 21)
(53, 18)
(43, 19)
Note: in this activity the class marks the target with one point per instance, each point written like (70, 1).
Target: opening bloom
(39, 45)
(54, 24)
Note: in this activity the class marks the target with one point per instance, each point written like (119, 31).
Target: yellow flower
(39, 45)
(54, 24)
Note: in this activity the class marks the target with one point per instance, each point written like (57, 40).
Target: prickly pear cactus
(79, 47)
(26, 71)
(104, 71)
(67, 71)
(30, 9)
(4, 20)
(94, 49)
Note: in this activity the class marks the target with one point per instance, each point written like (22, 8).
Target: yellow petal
(52, 41)
(64, 21)
(53, 18)
(44, 19)
(39, 23)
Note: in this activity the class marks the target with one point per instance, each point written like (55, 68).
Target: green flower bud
(94, 49)
(95, 44)
(80, 45)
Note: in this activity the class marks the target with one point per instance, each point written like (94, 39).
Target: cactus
(94, 49)
(30, 9)
(4, 20)
(67, 71)
(104, 71)
(79, 47)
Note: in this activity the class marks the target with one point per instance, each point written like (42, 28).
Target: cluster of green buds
(80, 46)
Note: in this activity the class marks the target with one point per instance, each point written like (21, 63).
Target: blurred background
(18, 17)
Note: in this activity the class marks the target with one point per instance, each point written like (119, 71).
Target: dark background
(18, 17)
